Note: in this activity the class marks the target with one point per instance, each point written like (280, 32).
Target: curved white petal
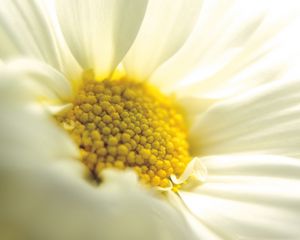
(194, 169)
(50, 84)
(200, 228)
(27, 130)
(25, 30)
(247, 197)
(166, 26)
(39, 202)
(236, 45)
(265, 119)
(99, 33)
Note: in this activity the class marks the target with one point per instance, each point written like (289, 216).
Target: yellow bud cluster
(128, 124)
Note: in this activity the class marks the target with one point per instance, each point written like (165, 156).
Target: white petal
(27, 131)
(201, 229)
(166, 26)
(195, 168)
(49, 83)
(249, 165)
(25, 30)
(251, 197)
(99, 33)
(39, 202)
(265, 119)
(236, 45)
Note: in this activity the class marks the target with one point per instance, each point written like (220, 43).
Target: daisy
(149, 119)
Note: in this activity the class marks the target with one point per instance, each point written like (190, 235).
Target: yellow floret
(127, 124)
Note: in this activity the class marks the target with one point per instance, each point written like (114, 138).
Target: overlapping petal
(25, 30)
(56, 206)
(236, 45)
(166, 26)
(265, 119)
(99, 33)
(247, 196)
(27, 131)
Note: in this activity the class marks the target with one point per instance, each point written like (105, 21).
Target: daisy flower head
(139, 119)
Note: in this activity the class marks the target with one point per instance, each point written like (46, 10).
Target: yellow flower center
(128, 124)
